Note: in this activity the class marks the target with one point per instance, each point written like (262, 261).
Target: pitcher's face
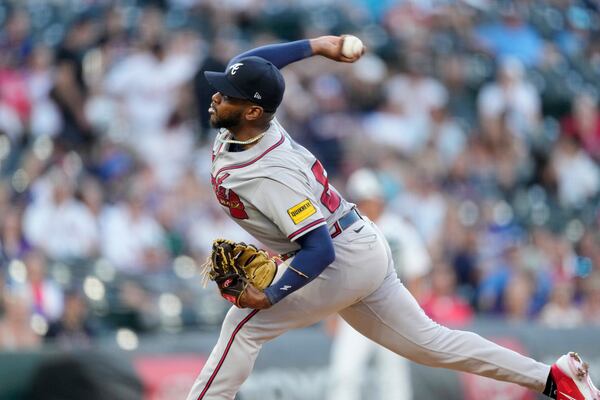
(225, 111)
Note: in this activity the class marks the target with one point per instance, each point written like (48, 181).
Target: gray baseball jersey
(276, 190)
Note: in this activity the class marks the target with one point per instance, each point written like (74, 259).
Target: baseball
(352, 46)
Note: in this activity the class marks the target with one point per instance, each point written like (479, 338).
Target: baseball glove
(233, 266)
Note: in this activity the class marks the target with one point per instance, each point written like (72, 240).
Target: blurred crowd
(479, 118)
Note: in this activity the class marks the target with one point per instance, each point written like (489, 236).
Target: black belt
(345, 221)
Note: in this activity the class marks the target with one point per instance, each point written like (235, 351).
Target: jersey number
(329, 198)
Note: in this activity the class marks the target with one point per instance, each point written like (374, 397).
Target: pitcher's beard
(227, 121)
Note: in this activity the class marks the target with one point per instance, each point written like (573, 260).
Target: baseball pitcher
(336, 261)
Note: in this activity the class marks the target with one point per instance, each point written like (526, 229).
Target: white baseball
(352, 46)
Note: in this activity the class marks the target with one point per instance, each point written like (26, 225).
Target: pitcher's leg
(230, 361)
(245, 331)
(391, 317)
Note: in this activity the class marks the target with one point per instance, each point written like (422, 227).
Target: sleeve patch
(301, 211)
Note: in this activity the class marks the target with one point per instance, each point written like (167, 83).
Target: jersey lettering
(329, 198)
(228, 198)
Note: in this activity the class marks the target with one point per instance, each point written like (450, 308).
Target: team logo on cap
(233, 69)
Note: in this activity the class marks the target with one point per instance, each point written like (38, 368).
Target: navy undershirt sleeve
(315, 255)
(280, 54)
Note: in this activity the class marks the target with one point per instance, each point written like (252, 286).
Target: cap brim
(219, 81)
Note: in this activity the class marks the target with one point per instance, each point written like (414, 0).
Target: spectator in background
(42, 293)
(424, 206)
(510, 96)
(132, 239)
(16, 42)
(148, 102)
(577, 176)
(517, 297)
(511, 36)
(509, 289)
(584, 123)
(441, 303)
(462, 253)
(555, 87)
(329, 124)
(424, 90)
(364, 86)
(15, 328)
(73, 329)
(15, 46)
(151, 27)
(587, 62)
(115, 36)
(392, 127)
(45, 117)
(177, 136)
(70, 88)
(589, 247)
(454, 73)
(507, 155)
(92, 195)
(59, 224)
(445, 136)
(13, 244)
(139, 311)
(561, 311)
(576, 36)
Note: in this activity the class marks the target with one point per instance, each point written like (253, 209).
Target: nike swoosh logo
(567, 396)
(358, 229)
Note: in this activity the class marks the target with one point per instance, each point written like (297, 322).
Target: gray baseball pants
(362, 286)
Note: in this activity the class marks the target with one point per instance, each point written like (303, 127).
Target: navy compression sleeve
(279, 55)
(315, 255)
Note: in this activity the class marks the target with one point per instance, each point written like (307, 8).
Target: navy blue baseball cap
(250, 78)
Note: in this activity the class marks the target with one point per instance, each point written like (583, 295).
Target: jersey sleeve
(291, 206)
(279, 55)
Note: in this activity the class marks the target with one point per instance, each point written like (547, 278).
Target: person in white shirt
(42, 293)
(351, 352)
(147, 84)
(511, 95)
(59, 224)
(132, 239)
(577, 175)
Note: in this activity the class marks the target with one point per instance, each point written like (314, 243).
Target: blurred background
(472, 123)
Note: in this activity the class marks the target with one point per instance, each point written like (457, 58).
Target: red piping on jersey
(235, 331)
(218, 151)
(338, 230)
(253, 160)
(304, 228)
